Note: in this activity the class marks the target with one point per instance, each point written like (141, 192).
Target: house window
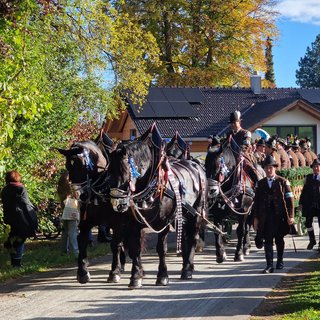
(300, 131)
(133, 134)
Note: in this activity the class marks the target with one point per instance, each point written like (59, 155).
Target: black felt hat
(315, 162)
(261, 142)
(269, 161)
(272, 143)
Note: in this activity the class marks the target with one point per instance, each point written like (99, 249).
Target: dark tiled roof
(212, 114)
(311, 95)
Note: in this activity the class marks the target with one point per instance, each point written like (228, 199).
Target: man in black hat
(310, 201)
(271, 149)
(273, 213)
(296, 149)
(284, 157)
(237, 135)
(260, 152)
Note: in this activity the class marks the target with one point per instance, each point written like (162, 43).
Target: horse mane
(138, 150)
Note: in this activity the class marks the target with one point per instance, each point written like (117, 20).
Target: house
(197, 113)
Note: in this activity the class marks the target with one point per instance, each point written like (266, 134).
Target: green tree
(54, 60)
(308, 74)
(269, 75)
(206, 42)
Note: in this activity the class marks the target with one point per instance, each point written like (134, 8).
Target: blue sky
(298, 25)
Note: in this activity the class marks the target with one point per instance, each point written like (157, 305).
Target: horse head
(132, 166)
(84, 160)
(128, 172)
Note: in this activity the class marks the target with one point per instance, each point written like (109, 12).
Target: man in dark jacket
(310, 201)
(237, 136)
(273, 213)
(19, 213)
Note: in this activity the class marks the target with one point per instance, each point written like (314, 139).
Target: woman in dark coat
(19, 213)
(310, 201)
(273, 213)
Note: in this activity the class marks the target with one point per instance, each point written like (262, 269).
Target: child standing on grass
(70, 220)
(71, 214)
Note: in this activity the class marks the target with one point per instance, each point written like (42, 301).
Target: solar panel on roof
(145, 111)
(183, 109)
(156, 94)
(173, 94)
(163, 109)
(192, 95)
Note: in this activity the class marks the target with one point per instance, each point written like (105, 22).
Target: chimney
(255, 83)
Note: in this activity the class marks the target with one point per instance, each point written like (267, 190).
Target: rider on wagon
(237, 136)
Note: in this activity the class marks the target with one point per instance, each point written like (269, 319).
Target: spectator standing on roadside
(70, 220)
(20, 214)
(310, 202)
(273, 213)
(70, 216)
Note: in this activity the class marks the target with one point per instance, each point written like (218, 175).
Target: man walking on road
(310, 201)
(273, 213)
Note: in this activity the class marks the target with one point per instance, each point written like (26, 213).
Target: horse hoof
(186, 275)
(114, 278)
(222, 258)
(246, 252)
(122, 268)
(135, 284)
(238, 257)
(83, 279)
(162, 281)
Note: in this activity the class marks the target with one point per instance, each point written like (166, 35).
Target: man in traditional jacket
(260, 152)
(305, 152)
(237, 135)
(292, 156)
(273, 213)
(301, 158)
(271, 149)
(310, 201)
(313, 155)
(284, 158)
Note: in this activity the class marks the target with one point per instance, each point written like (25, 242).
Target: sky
(298, 24)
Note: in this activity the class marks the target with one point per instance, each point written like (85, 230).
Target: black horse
(231, 180)
(86, 163)
(152, 192)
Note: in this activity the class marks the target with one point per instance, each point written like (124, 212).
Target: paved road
(217, 291)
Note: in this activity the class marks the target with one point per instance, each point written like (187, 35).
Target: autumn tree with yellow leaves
(207, 42)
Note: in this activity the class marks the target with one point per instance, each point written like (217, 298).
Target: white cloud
(305, 11)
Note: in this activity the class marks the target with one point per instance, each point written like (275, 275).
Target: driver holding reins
(237, 136)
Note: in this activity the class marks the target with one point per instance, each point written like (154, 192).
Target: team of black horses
(149, 183)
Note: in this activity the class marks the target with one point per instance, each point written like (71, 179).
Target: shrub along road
(217, 291)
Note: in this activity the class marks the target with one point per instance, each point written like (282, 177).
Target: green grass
(43, 255)
(296, 297)
(303, 301)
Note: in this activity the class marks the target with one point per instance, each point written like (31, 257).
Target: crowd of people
(273, 209)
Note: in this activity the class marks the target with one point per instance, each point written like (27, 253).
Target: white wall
(296, 117)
